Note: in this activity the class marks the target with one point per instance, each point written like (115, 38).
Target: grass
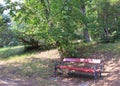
(85, 49)
(40, 67)
(11, 51)
(114, 47)
(27, 65)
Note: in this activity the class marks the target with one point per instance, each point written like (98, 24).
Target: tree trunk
(86, 35)
(85, 30)
(106, 32)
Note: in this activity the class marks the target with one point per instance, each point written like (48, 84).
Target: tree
(85, 30)
(57, 22)
(6, 34)
(108, 20)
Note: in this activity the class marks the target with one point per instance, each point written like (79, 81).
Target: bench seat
(88, 70)
(91, 61)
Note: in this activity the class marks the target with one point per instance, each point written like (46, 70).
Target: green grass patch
(5, 53)
(85, 49)
(114, 47)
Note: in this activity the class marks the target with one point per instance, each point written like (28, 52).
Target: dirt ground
(110, 76)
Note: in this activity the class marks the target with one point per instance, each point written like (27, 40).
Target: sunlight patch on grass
(5, 53)
(9, 48)
(114, 47)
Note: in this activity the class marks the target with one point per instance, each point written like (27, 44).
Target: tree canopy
(61, 22)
